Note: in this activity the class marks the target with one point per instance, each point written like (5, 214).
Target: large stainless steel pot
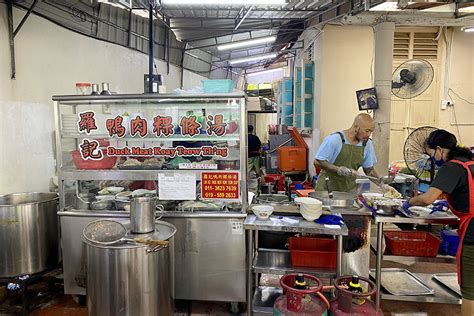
(339, 199)
(29, 236)
(127, 280)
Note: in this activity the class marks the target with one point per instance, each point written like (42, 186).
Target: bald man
(343, 152)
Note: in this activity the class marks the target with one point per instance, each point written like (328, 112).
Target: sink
(273, 199)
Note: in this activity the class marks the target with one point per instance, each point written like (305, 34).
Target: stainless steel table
(441, 295)
(278, 261)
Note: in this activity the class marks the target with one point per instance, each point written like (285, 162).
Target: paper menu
(177, 186)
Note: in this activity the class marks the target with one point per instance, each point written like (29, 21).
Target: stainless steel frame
(277, 262)
(204, 243)
(442, 296)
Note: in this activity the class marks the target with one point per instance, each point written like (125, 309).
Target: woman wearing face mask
(455, 179)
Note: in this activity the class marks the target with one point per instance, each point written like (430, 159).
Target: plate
(105, 197)
(420, 211)
(125, 195)
(142, 192)
(115, 190)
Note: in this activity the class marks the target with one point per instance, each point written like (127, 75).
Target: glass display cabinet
(187, 150)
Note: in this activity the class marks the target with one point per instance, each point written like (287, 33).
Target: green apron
(351, 156)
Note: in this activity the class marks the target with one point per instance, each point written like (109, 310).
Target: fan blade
(423, 72)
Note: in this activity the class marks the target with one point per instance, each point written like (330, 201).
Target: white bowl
(262, 211)
(308, 200)
(311, 215)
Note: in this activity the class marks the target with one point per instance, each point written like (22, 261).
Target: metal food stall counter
(209, 245)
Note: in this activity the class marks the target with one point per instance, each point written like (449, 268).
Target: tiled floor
(65, 305)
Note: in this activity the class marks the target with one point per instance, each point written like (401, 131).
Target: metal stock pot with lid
(29, 235)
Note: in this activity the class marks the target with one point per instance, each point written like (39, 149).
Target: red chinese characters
(87, 122)
(89, 150)
(138, 125)
(216, 125)
(189, 126)
(163, 125)
(115, 127)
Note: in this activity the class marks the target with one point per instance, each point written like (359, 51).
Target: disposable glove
(345, 172)
(406, 205)
(440, 206)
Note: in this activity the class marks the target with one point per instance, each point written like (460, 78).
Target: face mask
(437, 162)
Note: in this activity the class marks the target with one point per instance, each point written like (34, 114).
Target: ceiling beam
(255, 10)
(213, 19)
(245, 15)
(244, 48)
(197, 39)
(25, 17)
(278, 53)
(401, 18)
(245, 29)
(331, 12)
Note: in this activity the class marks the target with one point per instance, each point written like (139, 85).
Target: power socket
(445, 104)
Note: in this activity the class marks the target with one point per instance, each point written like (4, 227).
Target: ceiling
(203, 27)
(187, 35)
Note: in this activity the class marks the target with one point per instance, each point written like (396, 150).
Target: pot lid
(163, 231)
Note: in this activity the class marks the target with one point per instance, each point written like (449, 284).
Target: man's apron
(465, 218)
(351, 156)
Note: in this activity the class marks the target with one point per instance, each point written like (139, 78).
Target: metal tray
(443, 215)
(448, 280)
(402, 282)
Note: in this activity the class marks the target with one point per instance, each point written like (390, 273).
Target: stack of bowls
(310, 208)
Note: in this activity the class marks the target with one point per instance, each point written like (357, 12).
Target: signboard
(122, 126)
(220, 185)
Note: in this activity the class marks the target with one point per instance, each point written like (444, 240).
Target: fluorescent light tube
(247, 43)
(264, 72)
(468, 29)
(252, 58)
(222, 2)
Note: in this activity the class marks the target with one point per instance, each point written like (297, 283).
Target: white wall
(342, 61)
(460, 78)
(266, 76)
(49, 61)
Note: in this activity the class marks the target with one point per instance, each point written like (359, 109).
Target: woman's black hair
(445, 139)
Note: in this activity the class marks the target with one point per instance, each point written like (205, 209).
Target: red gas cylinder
(302, 300)
(353, 303)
